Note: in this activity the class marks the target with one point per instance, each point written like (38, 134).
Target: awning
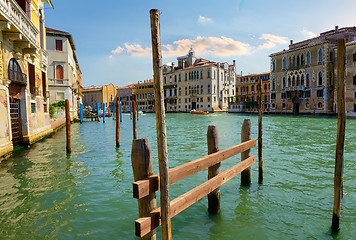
(49, 3)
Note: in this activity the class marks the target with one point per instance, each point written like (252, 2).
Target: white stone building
(197, 83)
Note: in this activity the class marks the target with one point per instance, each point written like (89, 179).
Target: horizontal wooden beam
(149, 185)
(146, 224)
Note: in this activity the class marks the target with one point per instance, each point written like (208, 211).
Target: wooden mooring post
(141, 159)
(160, 125)
(137, 110)
(260, 144)
(134, 120)
(130, 109)
(114, 115)
(245, 136)
(98, 112)
(120, 112)
(68, 144)
(117, 126)
(104, 112)
(81, 113)
(213, 146)
(340, 139)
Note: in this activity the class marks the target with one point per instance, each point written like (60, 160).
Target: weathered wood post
(68, 145)
(340, 139)
(81, 112)
(213, 146)
(98, 111)
(117, 126)
(134, 120)
(260, 144)
(120, 112)
(141, 159)
(245, 136)
(160, 125)
(104, 112)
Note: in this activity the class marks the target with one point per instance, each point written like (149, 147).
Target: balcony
(59, 82)
(15, 21)
(44, 56)
(17, 77)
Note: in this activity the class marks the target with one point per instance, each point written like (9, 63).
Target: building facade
(247, 93)
(104, 94)
(197, 83)
(24, 116)
(145, 96)
(125, 95)
(303, 78)
(64, 76)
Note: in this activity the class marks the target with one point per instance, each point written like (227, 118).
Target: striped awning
(49, 3)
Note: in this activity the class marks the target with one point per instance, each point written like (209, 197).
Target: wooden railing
(146, 184)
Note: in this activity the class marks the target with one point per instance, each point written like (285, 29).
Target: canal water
(46, 194)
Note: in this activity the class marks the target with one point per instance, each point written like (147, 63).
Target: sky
(113, 37)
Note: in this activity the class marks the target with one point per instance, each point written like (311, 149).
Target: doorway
(15, 121)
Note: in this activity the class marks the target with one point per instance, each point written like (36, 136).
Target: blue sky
(113, 37)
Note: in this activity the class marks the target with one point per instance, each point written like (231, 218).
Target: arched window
(265, 98)
(293, 81)
(15, 73)
(284, 82)
(293, 64)
(59, 72)
(302, 80)
(298, 80)
(298, 61)
(290, 62)
(180, 91)
(320, 55)
(274, 65)
(320, 79)
(302, 62)
(307, 83)
(289, 82)
(308, 58)
(274, 85)
(284, 63)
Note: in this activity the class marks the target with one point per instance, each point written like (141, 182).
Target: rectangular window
(320, 93)
(301, 94)
(45, 108)
(33, 107)
(273, 96)
(354, 57)
(59, 45)
(307, 94)
(44, 85)
(59, 96)
(32, 78)
(354, 82)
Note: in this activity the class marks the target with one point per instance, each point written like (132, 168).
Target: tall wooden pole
(98, 111)
(117, 124)
(81, 112)
(141, 159)
(245, 136)
(68, 145)
(260, 144)
(134, 120)
(340, 139)
(104, 106)
(120, 112)
(213, 146)
(160, 125)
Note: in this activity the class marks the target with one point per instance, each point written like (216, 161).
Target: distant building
(64, 76)
(125, 95)
(197, 83)
(103, 94)
(303, 77)
(24, 116)
(247, 93)
(145, 96)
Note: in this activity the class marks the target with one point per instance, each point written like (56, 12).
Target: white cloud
(308, 34)
(202, 19)
(219, 46)
(272, 40)
(137, 50)
(117, 50)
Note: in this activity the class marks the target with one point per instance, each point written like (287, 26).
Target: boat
(199, 112)
(140, 113)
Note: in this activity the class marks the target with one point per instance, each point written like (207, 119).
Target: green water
(45, 194)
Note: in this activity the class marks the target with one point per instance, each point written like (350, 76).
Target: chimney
(291, 42)
(234, 62)
(172, 66)
(336, 28)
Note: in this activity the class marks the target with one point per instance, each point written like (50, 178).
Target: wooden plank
(148, 223)
(144, 187)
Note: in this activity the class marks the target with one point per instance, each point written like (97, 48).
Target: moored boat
(199, 112)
